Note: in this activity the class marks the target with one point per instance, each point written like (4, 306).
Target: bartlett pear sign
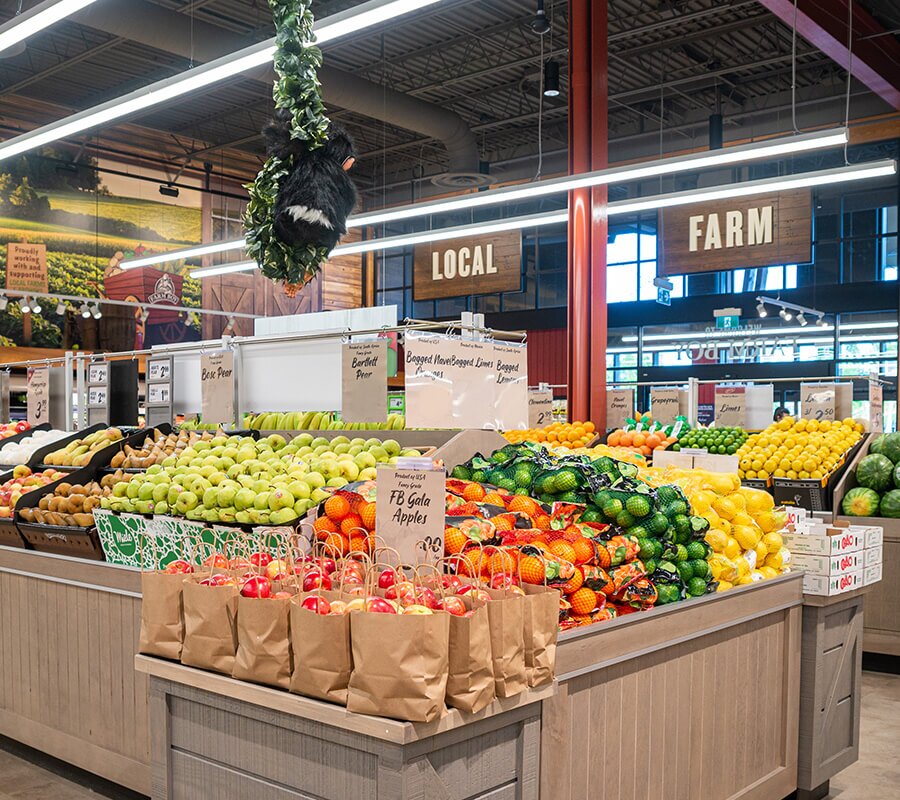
(474, 265)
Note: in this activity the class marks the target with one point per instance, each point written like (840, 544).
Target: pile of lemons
(744, 532)
(798, 449)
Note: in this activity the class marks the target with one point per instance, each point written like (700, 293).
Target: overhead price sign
(364, 381)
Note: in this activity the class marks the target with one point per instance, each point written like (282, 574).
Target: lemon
(762, 551)
(724, 586)
(747, 536)
(732, 548)
(742, 566)
(768, 572)
(717, 540)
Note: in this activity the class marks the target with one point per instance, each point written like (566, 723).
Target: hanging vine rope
(298, 103)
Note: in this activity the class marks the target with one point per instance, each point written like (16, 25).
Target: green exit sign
(727, 323)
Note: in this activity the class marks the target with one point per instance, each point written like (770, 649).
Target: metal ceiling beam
(874, 62)
(750, 21)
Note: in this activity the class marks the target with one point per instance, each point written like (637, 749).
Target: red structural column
(588, 93)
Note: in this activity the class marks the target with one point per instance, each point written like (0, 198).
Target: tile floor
(28, 775)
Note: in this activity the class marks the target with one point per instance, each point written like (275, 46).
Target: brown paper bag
(263, 641)
(322, 655)
(540, 633)
(210, 627)
(162, 615)
(470, 679)
(506, 616)
(400, 664)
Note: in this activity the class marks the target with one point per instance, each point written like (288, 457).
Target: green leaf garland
(298, 91)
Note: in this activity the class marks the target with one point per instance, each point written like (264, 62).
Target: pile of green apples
(235, 479)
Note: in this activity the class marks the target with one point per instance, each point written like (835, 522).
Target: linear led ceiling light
(328, 29)
(770, 148)
(43, 15)
(223, 269)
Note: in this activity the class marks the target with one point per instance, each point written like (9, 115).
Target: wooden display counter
(68, 633)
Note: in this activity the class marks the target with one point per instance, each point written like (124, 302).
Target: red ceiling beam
(823, 23)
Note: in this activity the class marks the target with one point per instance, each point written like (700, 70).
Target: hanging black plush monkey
(316, 197)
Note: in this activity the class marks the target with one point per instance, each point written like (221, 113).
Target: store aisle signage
(364, 381)
(727, 234)
(38, 395)
(666, 404)
(26, 267)
(472, 265)
(462, 383)
(826, 401)
(217, 387)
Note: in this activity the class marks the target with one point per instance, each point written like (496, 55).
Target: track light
(785, 314)
(540, 24)
(761, 309)
(96, 311)
(36, 306)
(802, 320)
(551, 78)
(4, 302)
(60, 308)
(23, 306)
(85, 311)
(821, 322)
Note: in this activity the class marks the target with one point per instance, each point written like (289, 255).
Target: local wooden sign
(26, 267)
(472, 265)
(759, 231)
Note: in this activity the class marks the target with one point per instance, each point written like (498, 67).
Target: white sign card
(409, 515)
(38, 395)
(731, 406)
(97, 373)
(97, 396)
(876, 406)
(511, 401)
(364, 381)
(540, 408)
(159, 370)
(159, 393)
(665, 404)
(619, 407)
(817, 401)
(217, 387)
(429, 394)
(470, 367)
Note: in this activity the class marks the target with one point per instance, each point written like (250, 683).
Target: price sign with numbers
(159, 370)
(159, 393)
(540, 408)
(817, 401)
(97, 373)
(409, 515)
(97, 396)
(38, 393)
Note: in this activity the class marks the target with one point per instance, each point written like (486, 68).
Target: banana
(399, 423)
(305, 420)
(315, 421)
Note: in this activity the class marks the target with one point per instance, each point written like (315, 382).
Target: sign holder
(159, 395)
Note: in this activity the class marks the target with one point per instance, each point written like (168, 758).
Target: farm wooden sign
(26, 267)
(471, 265)
(758, 231)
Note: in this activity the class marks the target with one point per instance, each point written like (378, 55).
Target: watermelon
(875, 472)
(862, 502)
(877, 445)
(891, 447)
(890, 504)
(897, 476)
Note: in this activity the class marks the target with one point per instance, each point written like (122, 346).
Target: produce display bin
(36, 462)
(815, 495)
(9, 534)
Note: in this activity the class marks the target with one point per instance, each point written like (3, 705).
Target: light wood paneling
(67, 681)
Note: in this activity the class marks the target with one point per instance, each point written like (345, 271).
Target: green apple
(392, 446)
(355, 449)
(365, 459)
(380, 453)
(358, 442)
(302, 439)
(318, 442)
(186, 501)
(331, 469)
(244, 498)
(373, 442)
(261, 501)
(368, 474)
(322, 448)
(283, 516)
(350, 470)
(276, 441)
(340, 447)
(410, 454)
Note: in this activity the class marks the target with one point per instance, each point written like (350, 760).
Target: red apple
(316, 580)
(388, 577)
(480, 594)
(316, 604)
(417, 609)
(256, 586)
(427, 598)
(178, 567)
(378, 605)
(338, 607)
(215, 580)
(261, 559)
(276, 570)
(282, 596)
(455, 606)
(465, 588)
(219, 561)
(238, 563)
(451, 581)
(328, 565)
(502, 580)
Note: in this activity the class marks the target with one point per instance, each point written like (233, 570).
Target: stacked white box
(836, 557)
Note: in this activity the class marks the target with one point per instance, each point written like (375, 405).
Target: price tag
(876, 407)
(159, 394)
(97, 373)
(217, 387)
(364, 381)
(619, 407)
(97, 395)
(540, 408)
(409, 515)
(817, 401)
(159, 370)
(731, 406)
(38, 395)
(665, 404)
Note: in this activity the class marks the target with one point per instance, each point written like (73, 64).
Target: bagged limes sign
(364, 381)
(217, 387)
(38, 393)
(409, 515)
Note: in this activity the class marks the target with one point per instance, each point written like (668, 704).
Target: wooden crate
(698, 699)
(213, 736)
(830, 688)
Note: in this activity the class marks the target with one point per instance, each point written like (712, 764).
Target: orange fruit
(503, 523)
(351, 525)
(367, 515)
(564, 550)
(542, 521)
(524, 504)
(472, 562)
(494, 499)
(531, 568)
(501, 561)
(323, 526)
(454, 541)
(474, 491)
(337, 507)
(336, 544)
(583, 601)
(584, 550)
(574, 583)
(360, 544)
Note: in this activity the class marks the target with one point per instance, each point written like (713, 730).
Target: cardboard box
(829, 585)
(873, 555)
(822, 540)
(829, 565)
(874, 536)
(795, 514)
(872, 574)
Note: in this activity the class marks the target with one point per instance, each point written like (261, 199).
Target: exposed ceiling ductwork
(165, 30)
